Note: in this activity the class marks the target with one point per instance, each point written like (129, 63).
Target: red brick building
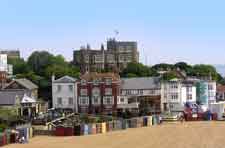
(3, 79)
(98, 93)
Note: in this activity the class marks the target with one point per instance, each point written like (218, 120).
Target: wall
(65, 94)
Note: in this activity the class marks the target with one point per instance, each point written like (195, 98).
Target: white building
(64, 93)
(3, 62)
(4, 66)
(175, 93)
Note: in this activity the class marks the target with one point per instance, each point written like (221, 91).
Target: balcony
(128, 106)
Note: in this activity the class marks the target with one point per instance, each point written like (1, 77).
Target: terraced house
(98, 93)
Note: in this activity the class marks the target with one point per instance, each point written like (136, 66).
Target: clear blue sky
(167, 31)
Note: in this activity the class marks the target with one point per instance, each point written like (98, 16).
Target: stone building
(115, 58)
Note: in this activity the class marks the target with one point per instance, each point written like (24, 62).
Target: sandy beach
(169, 135)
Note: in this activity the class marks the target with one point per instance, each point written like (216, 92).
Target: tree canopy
(39, 68)
(138, 70)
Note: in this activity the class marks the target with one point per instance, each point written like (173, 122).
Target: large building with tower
(114, 58)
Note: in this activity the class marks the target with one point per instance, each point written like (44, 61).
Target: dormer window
(83, 82)
(108, 81)
(96, 82)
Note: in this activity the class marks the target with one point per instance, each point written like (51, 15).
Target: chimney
(53, 78)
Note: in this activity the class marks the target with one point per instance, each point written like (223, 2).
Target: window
(83, 100)
(122, 100)
(128, 92)
(210, 87)
(110, 58)
(59, 101)
(70, 101)
(189, 97)
(152, 92)
(70, 88)
(96, 100)
(189, 89)
(83, 82)
(174, 86)
(95, 91)
(174, 96)
(59, 87)
(108, 100)
(108, 91)
(86, 58)
(134, 92)
(98, 58)
(108, 81)
(96, 82)
(83, 92)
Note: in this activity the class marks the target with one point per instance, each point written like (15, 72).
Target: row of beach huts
(104, 127)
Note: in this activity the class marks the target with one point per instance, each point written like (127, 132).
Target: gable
(15, 85)
(65, 79)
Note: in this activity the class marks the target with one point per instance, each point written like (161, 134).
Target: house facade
(64, 93)
(98, 93)
(140, 95)
(176, 93)
(21, 94)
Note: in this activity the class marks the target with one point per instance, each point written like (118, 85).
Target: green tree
(138, 70)
(19, 65)
(168, 76)
(39, 60)
(205, 71)
(163, 66)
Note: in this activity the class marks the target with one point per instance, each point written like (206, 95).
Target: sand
(170, 135)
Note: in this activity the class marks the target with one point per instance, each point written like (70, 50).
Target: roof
(66, 79)
(9, 97)
(220, 88)
(25, 83)
(141, 83)
(27, 99)
(94, 75)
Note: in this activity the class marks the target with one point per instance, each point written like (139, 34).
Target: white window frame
(70, 87)
(58, 102)
(105, 100)
(69, 101)
(84, 98)
(108, 91)
(82, 90)
(93, 100)
(108, 81)
(59, 88)
(83, 82)
(96, 91)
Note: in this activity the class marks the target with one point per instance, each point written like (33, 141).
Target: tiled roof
(25, 83)
(220, 88)
(141, 83)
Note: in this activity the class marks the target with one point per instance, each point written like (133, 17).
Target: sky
(166, 30)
